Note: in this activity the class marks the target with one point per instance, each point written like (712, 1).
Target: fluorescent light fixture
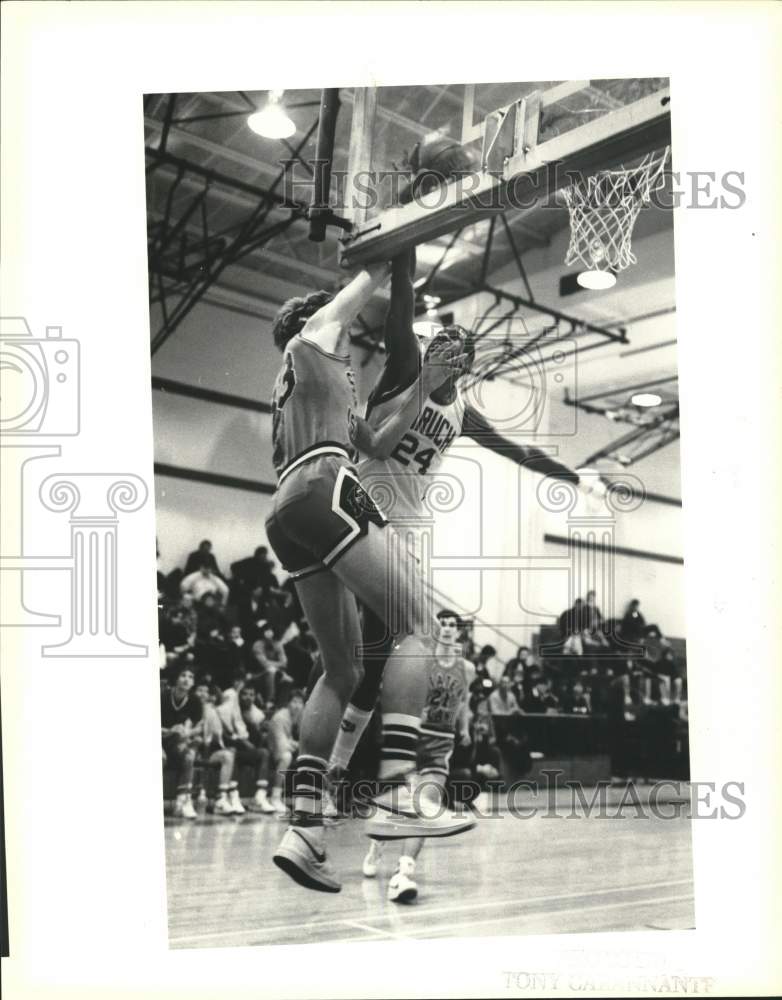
(272, 122)
(646, 399)
(596, 280)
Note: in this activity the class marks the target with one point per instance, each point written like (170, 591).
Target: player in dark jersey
(329, 535)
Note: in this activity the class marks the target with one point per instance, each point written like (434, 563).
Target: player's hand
(591, 484)
(464, 740)
(440, 362)
(179, 729)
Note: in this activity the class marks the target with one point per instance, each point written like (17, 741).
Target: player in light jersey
(445, 718)
(397, 474)
(329, 535)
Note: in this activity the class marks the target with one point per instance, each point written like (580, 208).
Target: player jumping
(330, 537)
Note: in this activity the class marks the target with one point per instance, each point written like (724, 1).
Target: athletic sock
(407, 865)
(351, 729)
(309, 781)
(400, 739)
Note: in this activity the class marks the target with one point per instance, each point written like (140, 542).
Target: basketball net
(603, 209)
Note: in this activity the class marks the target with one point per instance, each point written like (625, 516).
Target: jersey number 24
(405, 452)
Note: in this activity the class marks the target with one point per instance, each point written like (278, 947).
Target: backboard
(526, 138)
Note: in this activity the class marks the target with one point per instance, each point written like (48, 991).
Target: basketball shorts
(434, 753)
(320, 511)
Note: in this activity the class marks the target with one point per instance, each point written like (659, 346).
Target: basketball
(435, 161)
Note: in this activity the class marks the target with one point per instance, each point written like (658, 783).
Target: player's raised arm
(400, 341)
(379, 442)
(476, 427)
(325, 326)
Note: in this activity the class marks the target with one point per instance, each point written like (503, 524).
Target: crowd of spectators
(237, 657)
(576, 671)
(620, 669)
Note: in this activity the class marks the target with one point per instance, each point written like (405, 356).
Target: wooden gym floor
(507, 876)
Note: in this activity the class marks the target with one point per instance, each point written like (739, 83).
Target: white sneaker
(188, 809)
(183, 807)
(278, 805)
(223, 806)
(400, 815)
(302, 856)
(235, 802)
(261, 801)
(371, 862)
(402, 889)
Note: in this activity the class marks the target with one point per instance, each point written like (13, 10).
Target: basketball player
(403, 473)
(330, 537)
(445, 717)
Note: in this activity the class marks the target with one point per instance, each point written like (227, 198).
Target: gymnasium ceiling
(207, 139)
(210, 132)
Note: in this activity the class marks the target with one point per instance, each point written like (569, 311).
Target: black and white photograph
(418, 502)
(426, 355)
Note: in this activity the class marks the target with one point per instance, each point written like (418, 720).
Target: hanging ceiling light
(596, 280)
(272, 122)
(646, 399)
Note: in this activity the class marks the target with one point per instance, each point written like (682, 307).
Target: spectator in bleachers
(215, 751)
(212, 622)
(538, 697)
(633, 624)
(301, 652)
(253, 614)
(204, 581)
(593, 617)
(284, 743)
(185, 611)
(202, 556)
(176, 633)
(576, 700)
(225, 656)
(252, 746)
(236, 639)
(519, 660)
(502, 701)
(254, 571)
(571, 628)
(269, 663)
(236, 736)
(655, 644)
(488, 659)
(180, 718)
(517, 683)
(593, 637)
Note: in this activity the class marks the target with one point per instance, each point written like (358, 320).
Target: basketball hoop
(603, 209)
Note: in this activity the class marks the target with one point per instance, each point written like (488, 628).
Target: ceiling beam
(215, 148)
